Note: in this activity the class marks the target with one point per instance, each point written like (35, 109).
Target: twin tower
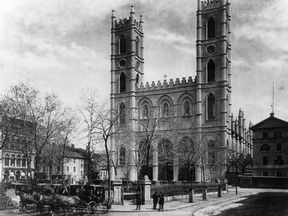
(201, 105)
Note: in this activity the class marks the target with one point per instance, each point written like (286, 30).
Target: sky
(63, 46)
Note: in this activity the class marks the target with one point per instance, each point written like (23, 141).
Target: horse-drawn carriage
(76, 198)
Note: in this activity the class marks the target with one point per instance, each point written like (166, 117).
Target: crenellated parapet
(121, 23)
(165, 85)
(209, 4)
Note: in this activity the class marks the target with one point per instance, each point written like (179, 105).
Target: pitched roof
(270, 122)
(72, 152)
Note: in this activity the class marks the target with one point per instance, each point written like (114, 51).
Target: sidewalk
(175, 204)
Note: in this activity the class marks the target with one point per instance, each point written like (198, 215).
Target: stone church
(200, 105)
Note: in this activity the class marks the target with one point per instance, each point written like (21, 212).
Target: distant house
(17, 153)
(73, 166)
(270, 153)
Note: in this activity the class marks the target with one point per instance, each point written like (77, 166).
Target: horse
(26, 198)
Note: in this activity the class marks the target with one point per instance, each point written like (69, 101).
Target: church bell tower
(214, 69)
(126, 70)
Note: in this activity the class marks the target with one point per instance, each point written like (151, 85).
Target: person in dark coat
(155, 200)
(161, 202)
(138, 201)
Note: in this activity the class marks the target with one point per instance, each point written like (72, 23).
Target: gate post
(117, 189)
(147, 188)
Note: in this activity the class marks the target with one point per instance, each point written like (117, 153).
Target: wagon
(93, 195)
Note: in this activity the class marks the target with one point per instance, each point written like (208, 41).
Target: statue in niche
(186, 108)
(165, 109)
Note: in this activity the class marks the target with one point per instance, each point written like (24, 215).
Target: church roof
(270, 122)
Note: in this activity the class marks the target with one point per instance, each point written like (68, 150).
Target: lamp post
(236, 178)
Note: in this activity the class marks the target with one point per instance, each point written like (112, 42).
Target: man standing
(155, 200)
(161, 202)
(138, 200)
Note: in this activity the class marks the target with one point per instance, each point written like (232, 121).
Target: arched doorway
(165, 160)
(145, 154)
(187, 159)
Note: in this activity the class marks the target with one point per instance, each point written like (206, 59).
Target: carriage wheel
(92, 207)
(9, 204)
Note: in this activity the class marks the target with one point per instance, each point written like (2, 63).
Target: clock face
(122, 62)
(211, 49)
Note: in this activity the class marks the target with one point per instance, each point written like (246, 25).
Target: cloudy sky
(63, 46)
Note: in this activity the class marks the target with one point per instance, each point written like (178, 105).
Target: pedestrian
(161, 201)
(155, 200)
(138, 200)
(122, 195)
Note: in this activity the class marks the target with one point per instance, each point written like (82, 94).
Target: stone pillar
(117, 185)
(155, 165)
(175, 169)
(197, 173)
(147, 188)
(133, 171)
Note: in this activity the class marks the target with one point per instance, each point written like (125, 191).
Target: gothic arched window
(122, 114)
(24, 159)
(211, 107)
(211, 28)
(137, 46)
(211, 71)
(13, 160)
(186, 108)
(122, 43)
(18, 161)
(7, 160)
(122, 155)
(122, 82)
(211, 153)
(145, 111)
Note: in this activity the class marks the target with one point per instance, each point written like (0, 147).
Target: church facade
(193, 106)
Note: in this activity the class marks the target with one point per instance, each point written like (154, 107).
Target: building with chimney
(270, 154)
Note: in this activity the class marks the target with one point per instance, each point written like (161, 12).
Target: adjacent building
(17, 153)
(72, 165)
(270, 152)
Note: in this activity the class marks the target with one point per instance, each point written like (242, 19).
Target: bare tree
(100, 125)
(55, 150)
(89, 110)
(194, 151)
(6, 127)
(39, 119)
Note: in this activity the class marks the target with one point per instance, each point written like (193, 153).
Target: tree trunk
(89, 163)
(191, 194)
(108, 168)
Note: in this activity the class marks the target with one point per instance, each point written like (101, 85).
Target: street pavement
(179, 207)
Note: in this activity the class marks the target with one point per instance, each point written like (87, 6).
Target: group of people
(158, 198)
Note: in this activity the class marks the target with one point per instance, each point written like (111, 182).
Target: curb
(223, 202)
